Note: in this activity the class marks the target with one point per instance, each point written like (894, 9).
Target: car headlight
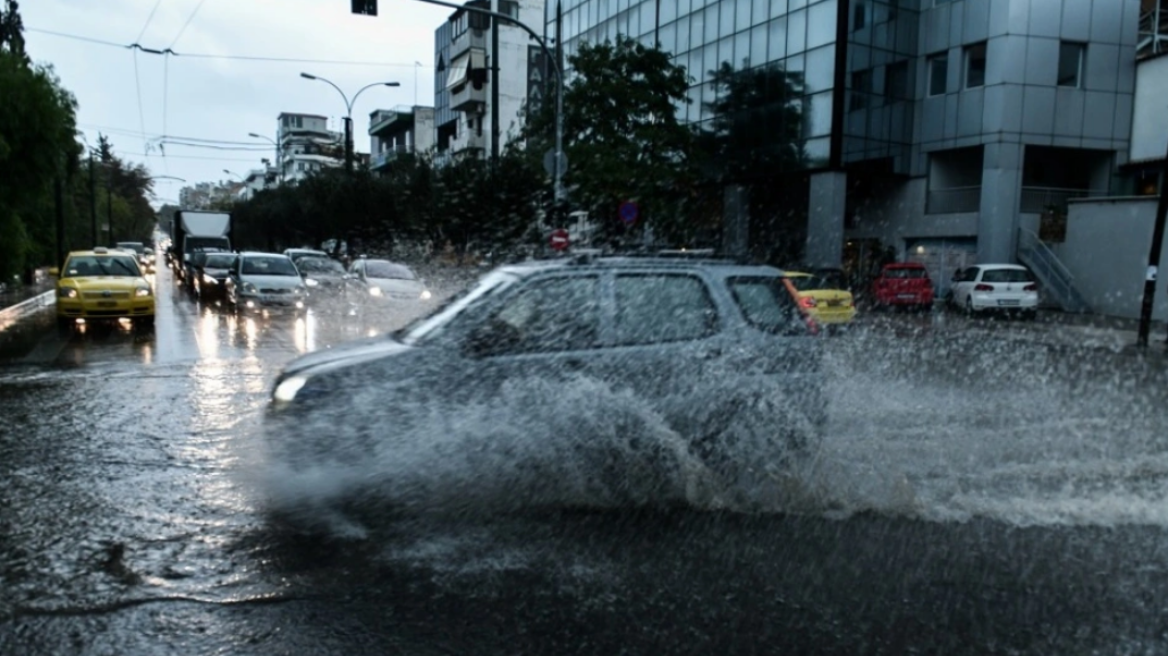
(210, 280)
(311, 282)
(375, 291)
(142, 291)
(286, 391)
(249, 288)
(67, 292)
(425, 295)
(299, 291)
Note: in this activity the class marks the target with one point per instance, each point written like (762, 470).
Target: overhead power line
(195, 55)
(184, 27)
(148, 19)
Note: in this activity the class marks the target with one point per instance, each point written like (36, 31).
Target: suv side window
(661, 307)
(549, 315)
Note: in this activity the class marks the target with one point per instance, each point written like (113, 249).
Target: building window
(509, 8)
(896, 81)
(861, 87)
(938, 74)
(859, 16)
(975, 65)
(1070, 71)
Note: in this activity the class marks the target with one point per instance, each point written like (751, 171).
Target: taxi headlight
(67, 292)
(375, 291)
(286, 391)
(142, 291)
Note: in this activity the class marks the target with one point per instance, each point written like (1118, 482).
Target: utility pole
(1154, 259)
(494, 90)
(92, 203)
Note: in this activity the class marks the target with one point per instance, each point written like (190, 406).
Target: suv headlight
(67, 292)
(142, 291)
(286, 391)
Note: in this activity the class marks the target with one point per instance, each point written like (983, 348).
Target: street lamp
(241, 178)
(349, 112)
(279, 160)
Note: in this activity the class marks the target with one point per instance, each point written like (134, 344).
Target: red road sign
(559, 239)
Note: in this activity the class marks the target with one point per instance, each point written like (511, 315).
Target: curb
(41, 300)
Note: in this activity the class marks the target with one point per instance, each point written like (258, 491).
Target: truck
(198, 230)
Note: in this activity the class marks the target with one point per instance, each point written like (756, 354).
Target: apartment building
(398, 131)
(306, 145)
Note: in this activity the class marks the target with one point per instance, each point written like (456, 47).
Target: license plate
(906, 295)
(1007, 303)
(107, 304)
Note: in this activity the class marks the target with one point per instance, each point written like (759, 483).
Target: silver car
(260, 281)
(674, 381)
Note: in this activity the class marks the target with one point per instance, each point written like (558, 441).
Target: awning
(458, 69)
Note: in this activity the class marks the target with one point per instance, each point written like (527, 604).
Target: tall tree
(12, 31)
(621, 134)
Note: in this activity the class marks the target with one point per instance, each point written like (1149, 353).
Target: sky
(206, 93)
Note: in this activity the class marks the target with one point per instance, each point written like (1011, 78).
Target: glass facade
(786, 49)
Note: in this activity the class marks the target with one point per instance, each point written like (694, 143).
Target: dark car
(655, 366)
(210, 275)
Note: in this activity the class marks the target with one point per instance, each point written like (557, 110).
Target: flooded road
(975, 494)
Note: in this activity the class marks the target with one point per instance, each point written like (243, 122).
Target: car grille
(106, 295)
(275, 291)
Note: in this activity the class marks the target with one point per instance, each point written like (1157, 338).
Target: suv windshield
(767, 305)
(269, 266)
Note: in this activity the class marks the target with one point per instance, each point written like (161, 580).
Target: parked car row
(298, 278)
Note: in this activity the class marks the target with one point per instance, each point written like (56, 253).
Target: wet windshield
(319, 265)
(101, 265)
(219, 261)
(388, 270)
(268, 266)
(1006, 275)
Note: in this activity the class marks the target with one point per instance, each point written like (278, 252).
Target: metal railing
(954, 200)
(1036, 200)
(1055, 276)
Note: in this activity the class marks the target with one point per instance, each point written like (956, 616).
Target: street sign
(628, 212)
(549, 162)
(559, 239)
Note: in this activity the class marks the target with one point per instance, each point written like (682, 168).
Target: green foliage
(623, 140)
(470, 204)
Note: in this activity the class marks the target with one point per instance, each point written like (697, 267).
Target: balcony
(471, 38)
(380, 160)
(955, 200)
(390, 121)
(470, 141)
(469, 99)
(1036, 200)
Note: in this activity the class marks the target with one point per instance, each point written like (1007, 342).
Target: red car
(904, 284)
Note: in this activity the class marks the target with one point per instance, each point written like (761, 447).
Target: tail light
(983, 288)
(1032, 287)
(807, 302)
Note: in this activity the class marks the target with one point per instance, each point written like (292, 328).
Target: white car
(995, 287)
(383, 282)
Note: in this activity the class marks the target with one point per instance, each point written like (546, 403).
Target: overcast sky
(219, 98)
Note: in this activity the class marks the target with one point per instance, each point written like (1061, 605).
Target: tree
(12, 32)
(622, 137)
(756, 140)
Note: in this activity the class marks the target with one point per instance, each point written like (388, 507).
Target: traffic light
(365, 7)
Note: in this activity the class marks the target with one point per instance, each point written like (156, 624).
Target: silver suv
(612, 374)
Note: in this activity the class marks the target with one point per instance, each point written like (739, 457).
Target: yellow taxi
(103, 284)
(821, 299)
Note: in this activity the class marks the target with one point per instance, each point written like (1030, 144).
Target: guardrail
(1036, 200)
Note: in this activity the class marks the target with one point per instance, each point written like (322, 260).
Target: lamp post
(276, 145)
(349, 112)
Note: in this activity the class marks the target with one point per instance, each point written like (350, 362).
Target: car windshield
(101, 265)
(319, 265)
(431, 328)
(269, 266)
(388, 270)
(219, 261)
(1006, 275)
(767, 305)
(811, 283)
(905, 273)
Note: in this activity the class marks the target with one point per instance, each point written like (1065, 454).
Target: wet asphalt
(985, 496)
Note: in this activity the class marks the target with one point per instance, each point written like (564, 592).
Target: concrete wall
(1149, 124)
(1106, 250)
(424, 129)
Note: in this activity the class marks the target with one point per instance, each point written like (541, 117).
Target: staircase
(1057, 282)
(1153, 29)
